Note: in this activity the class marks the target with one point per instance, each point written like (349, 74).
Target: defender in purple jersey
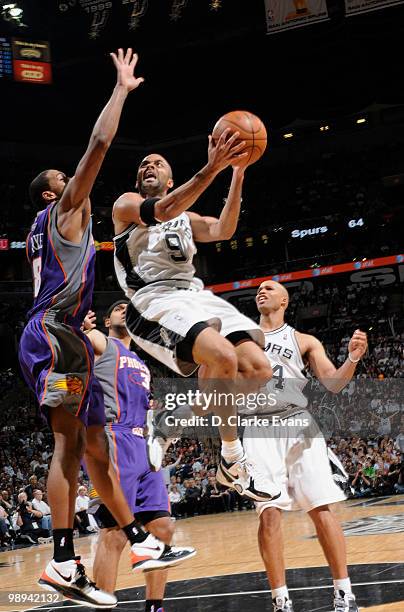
(57, 359)
(125, 382)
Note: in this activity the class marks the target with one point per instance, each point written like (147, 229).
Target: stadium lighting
(288, 135)
(12, 12)
(361, 120)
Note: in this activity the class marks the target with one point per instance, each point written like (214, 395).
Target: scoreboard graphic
(25, 61)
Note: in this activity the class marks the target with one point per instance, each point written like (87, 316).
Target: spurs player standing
(299, 463)
(171, 315)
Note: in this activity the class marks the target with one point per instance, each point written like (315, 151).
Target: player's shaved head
(271, 296)
(154, 176)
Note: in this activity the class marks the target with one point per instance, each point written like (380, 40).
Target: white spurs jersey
(288, 379)
(146, 254)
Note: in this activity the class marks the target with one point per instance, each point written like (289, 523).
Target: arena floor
(227, 573)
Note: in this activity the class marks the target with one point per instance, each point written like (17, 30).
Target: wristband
(353, 360)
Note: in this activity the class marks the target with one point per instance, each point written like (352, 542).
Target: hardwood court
(227, 573)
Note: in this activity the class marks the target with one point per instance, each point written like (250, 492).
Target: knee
(320, 515)
(164, 531)
(258, 369)
(224, 360)
(114, 540)
(73, 445)
(270, 521)
(97, 445)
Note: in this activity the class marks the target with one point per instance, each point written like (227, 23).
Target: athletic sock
(135, 533)
(281, 592)
(63, 545)
(153, 605)
(232, 451)
(343, 584)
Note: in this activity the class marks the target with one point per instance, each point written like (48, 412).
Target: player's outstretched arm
(220, 155)
(211, 229)
(334, 379)
(75, 198)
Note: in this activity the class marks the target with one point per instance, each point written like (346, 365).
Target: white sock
(280, 592)
(232, 451)
(343, 584)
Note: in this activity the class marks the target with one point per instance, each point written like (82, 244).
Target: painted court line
(236, 593)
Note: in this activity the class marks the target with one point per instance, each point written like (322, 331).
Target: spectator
(175, 500)
(85, 522)
(43, 508)
(27, 521)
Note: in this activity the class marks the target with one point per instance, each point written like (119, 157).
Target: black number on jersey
(174, 244)
(280, 381)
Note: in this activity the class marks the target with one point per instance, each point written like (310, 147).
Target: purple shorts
(57, 362)
(144, 489)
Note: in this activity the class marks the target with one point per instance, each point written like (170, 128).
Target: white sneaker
(282, 604)
(69, 579)
(45, 540)
(245, 478)
(345, 602)
(154, 554)
(160, 436)
(154, 443)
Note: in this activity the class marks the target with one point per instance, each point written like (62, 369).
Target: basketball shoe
(153, 554)
(282, 604)
(69, 579)
(244, 477)
(160, 435)
(345, 602)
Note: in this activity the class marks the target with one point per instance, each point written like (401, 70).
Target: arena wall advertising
(287, 15)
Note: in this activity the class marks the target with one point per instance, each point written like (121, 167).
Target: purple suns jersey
(63, 271)
(125, 382)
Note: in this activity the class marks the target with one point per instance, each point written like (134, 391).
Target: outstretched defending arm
(334, 379)
(220, 156)
(74, 206)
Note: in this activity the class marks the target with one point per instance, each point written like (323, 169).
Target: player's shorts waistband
(174, 283)
(136, 431)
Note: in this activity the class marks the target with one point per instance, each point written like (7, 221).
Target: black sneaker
(245, 478)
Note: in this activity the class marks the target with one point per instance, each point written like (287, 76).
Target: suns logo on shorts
(71, 384)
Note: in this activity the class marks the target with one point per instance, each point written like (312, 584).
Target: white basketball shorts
(297, 463)
(160, 318)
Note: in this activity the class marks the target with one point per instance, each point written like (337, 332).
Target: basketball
(251, 129)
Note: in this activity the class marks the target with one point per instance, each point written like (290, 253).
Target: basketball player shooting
(171, 315)
(57, 359)
(297, 458)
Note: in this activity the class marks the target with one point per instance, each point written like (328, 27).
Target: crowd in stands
(364, 425)
(336, 186)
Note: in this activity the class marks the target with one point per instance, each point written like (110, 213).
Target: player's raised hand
(90, 321)
(125, 65)
(226, 151)
(358, 344)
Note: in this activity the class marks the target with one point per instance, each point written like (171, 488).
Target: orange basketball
(251, 129)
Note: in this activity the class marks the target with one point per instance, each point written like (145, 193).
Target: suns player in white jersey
(295, 454)
(171, 315)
